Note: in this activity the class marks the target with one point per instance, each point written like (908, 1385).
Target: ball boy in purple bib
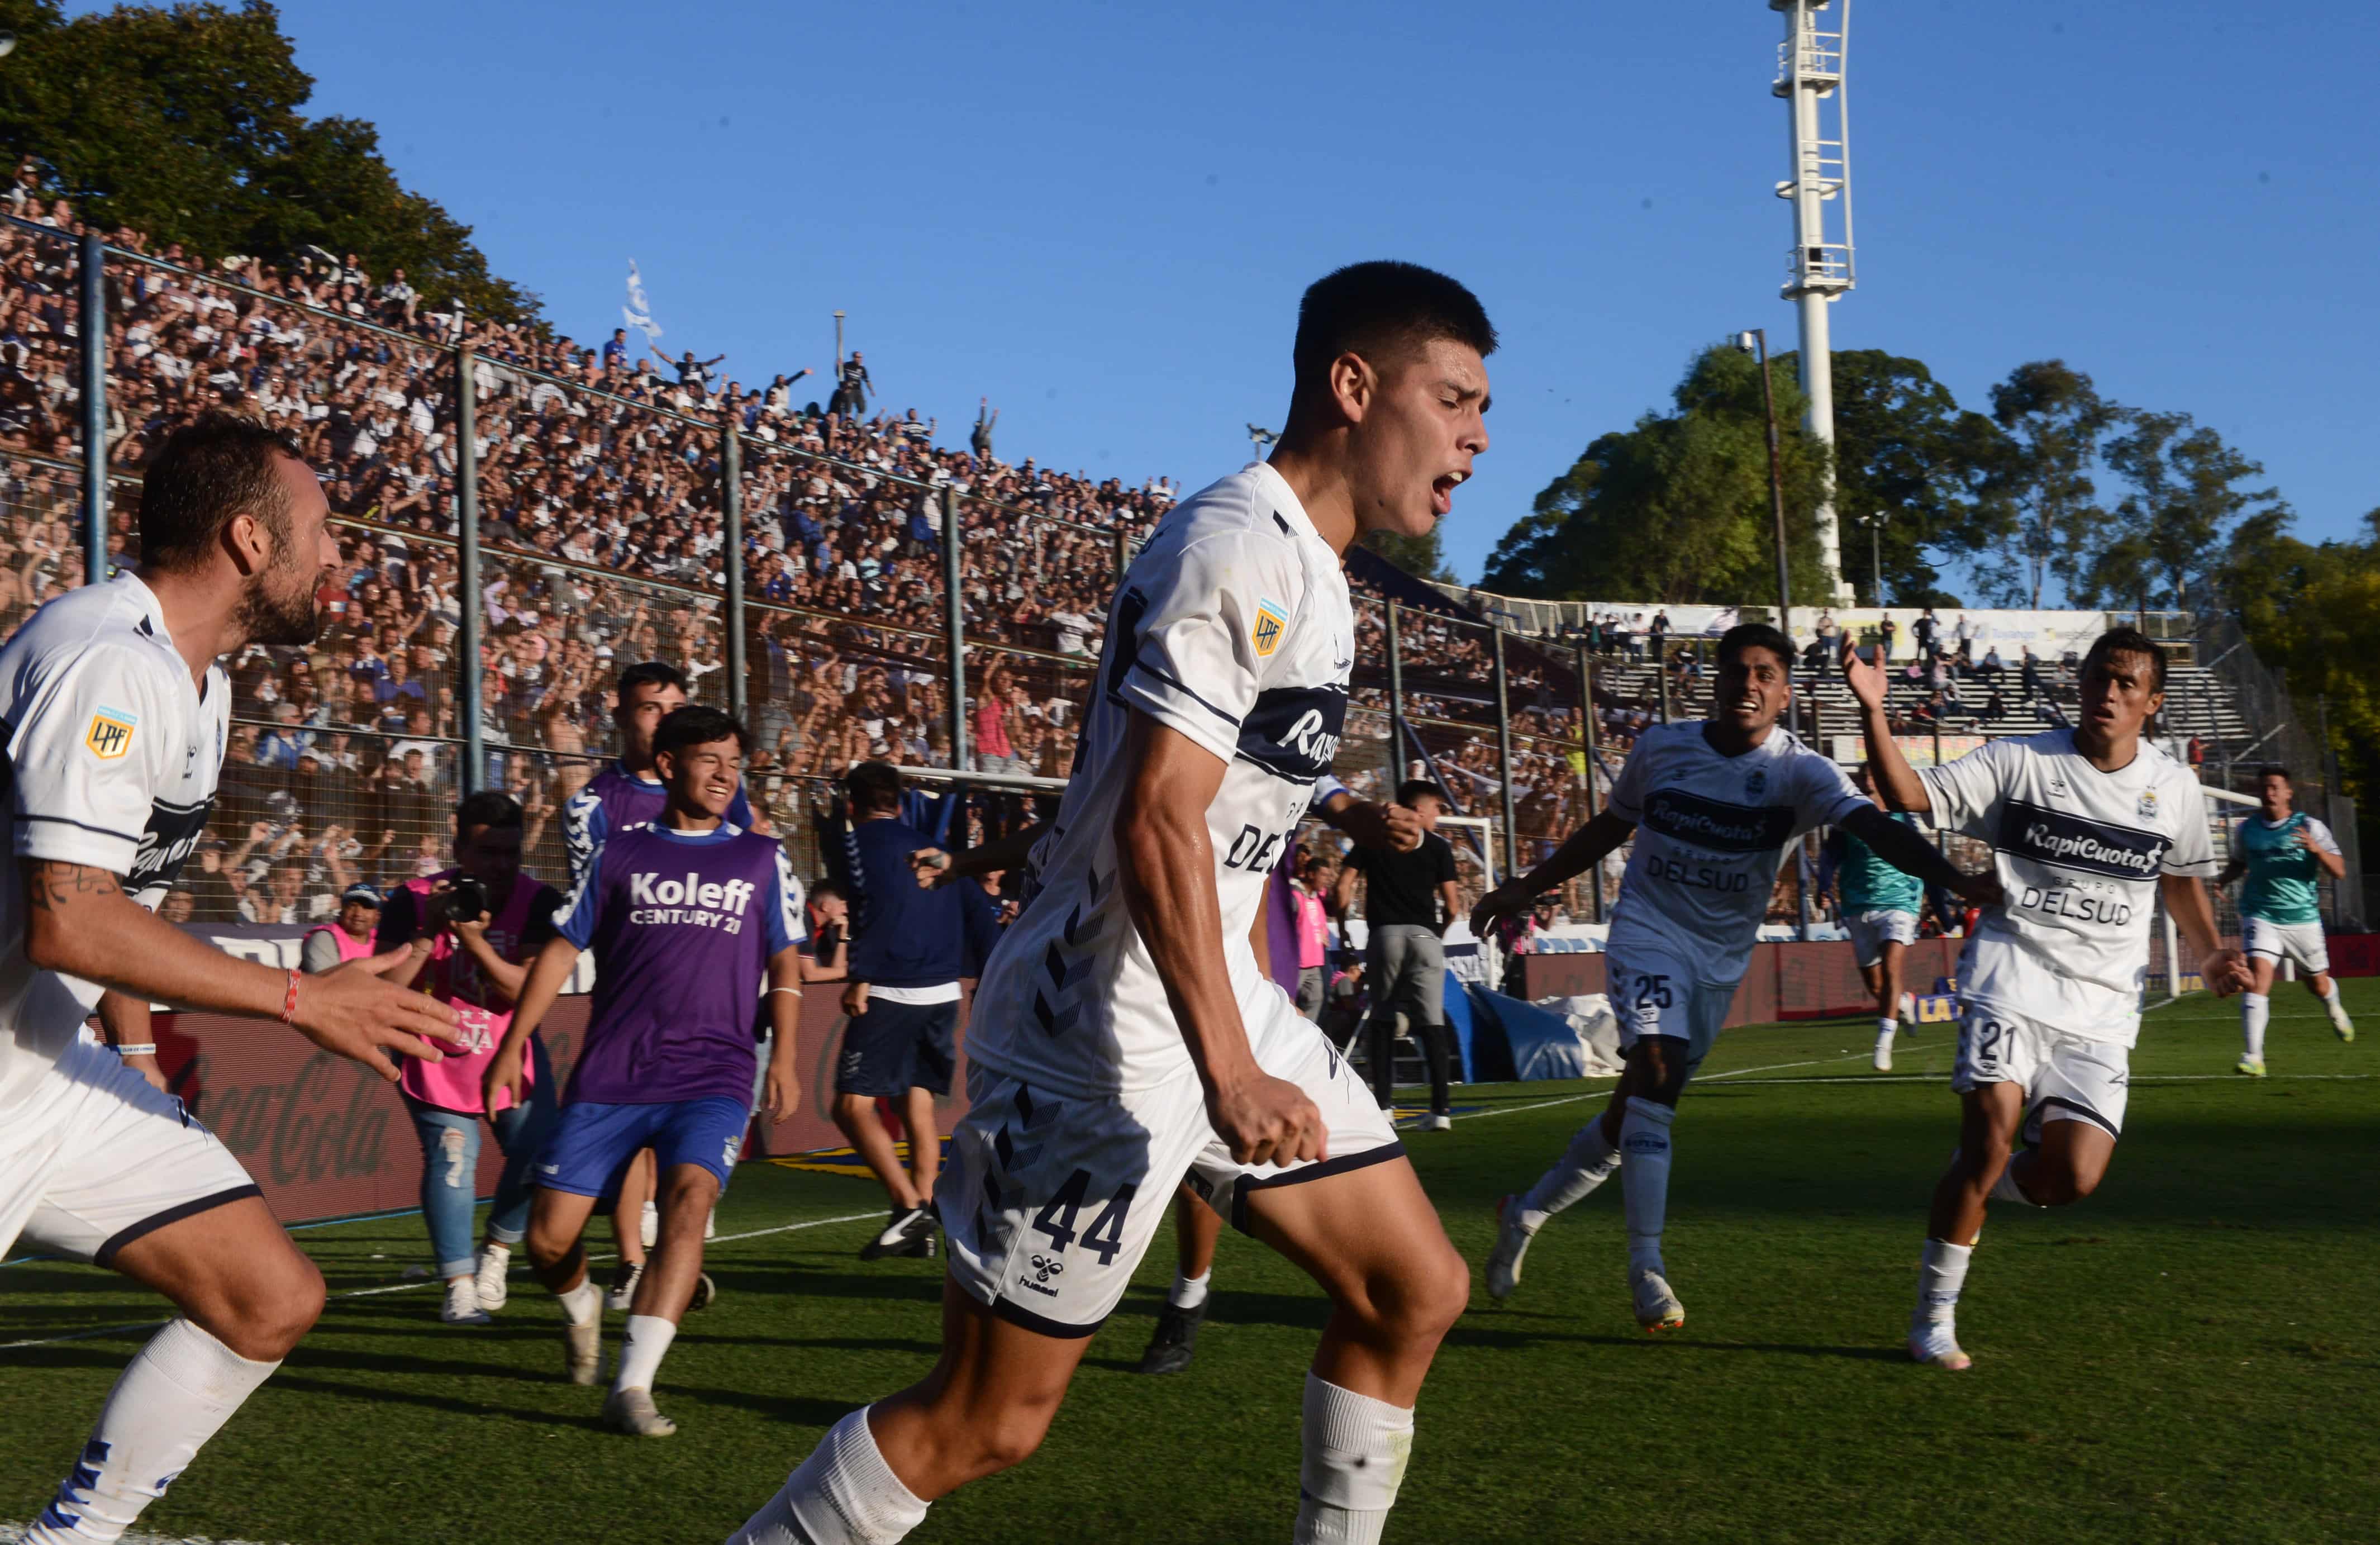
(686, 915)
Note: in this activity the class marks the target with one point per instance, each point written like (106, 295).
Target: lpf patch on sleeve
(1272, 621)
(110, 735)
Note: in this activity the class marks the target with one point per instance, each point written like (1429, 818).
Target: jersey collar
(1284, 499)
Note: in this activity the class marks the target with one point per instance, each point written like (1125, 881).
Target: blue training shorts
(894, 1048)
(592, 1143)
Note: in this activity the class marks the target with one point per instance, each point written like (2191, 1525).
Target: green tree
(2171, 531)
(188, 123)
(1422, 555)
(2040, 476)
(1905, 448)
(2314, 611)
(1676, 508)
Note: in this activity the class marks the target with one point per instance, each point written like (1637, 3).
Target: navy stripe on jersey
(1292, 732)
(2070, 842)
(1716, 824)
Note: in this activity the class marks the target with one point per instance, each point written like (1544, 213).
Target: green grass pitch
(2190, 1355)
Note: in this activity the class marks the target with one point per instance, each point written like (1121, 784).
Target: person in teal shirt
(2283, 853)
(1879, 907)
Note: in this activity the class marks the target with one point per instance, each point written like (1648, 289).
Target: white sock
(174, 1397)
(1356, 1449)
(2256, 1013)
(582, 1303)
(648, 1340)
(843, 1495)
(1189, 1291)
(1645, 1182)
(1938, 1281)
(1887, 1029)
(1586, 1164)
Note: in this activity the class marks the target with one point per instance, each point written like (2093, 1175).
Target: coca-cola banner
(326, 1137)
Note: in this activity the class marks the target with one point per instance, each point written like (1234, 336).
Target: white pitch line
(406, 1287)
(14, 1534)
(1733, 1073)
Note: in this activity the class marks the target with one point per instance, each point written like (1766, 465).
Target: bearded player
(1713, 805)
(2090, 826)
(2285, 853)
(1123, 1035)
(116, 713)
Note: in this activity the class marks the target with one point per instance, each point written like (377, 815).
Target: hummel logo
(1047, 1267)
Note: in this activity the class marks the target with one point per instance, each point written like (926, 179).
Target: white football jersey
(1710, 833)
(111, 757)
(2079, 853)
(1233, 628)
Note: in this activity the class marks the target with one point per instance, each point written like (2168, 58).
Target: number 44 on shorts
(1104, 1238)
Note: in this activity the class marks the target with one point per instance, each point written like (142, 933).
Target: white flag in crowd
(639, 311)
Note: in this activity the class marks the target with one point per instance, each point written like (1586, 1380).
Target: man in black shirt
(1409, 897)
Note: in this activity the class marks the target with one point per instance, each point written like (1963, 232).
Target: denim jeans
(450, 1162)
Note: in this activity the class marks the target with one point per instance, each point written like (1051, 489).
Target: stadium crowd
(598, 479)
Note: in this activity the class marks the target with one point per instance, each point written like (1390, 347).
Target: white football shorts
(1651, 995)
(2302, 943)
(2065, 1076)
(1049, 1202)
(1871, 932)
(102, 1157)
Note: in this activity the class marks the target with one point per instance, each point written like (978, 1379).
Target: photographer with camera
(471, 931)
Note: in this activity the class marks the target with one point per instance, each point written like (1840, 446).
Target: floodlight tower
(1810, 79)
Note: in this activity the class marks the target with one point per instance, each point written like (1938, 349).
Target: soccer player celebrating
(1122, 1036)
(2283, 853)
(627, 793)
(1880, 907)
(1713, 805)
(116, 713)
(686, 916)
(2089, 825)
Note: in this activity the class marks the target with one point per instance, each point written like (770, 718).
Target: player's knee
(274, 1306)
(1010, 1436)
(1419, 1301)
(547, 1242)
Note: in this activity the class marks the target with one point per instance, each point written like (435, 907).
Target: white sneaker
(650, 1231)
(582, 1349)
(2339, 1021)
(631, 1411)
(1883, 1053)
(1657, 1309)
(1908, 1006)
(1937, 1346)
(1511, 1244)
(1437, 1121)
(495, 1260)
(463, 1304)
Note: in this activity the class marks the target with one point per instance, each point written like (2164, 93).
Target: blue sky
(1103, 215)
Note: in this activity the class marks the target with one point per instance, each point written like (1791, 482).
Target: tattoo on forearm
(52, 885)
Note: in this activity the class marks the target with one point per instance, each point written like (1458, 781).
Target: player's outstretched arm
(1911, 854)
(934, 867)
(1395, 827)
(78, 921)
(2223, 969)
(1903, 790)
(548, 975)
(1580, 851)
(1166, 866)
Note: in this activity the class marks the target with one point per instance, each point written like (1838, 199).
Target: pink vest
(350, 948)
(453, 977)
(1313, 929)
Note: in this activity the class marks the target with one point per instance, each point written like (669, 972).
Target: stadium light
(1260, 437)
(1873, 520)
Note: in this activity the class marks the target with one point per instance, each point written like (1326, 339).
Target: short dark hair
(650, 672)
(2127, 640)
(490, 807)
(874, 786)
(696, 726)
(2276, 772)
(1755, 635)
(1423, 788)
(218, 465)
(824, 887)
(1377, 309)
